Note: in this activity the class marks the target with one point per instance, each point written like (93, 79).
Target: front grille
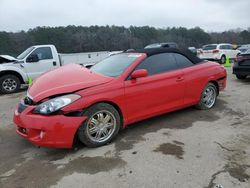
(21, 107)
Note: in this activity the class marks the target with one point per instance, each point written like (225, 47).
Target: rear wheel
(9, 84)
(208, 97)
(102, 125)
(223, 59)
(240, 77)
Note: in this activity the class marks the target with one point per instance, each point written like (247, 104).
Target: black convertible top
(152, 51)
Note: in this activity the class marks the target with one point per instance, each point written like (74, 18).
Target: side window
(43, 53)
(159, 63)
(223, 47)
(229, 47)
(182, 61)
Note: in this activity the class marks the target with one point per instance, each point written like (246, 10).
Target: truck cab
(39, 59)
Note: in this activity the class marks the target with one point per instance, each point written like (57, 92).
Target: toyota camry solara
(94, 104)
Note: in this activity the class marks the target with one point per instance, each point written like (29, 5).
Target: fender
(15, 68)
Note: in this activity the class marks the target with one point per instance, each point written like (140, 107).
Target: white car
(218, 52)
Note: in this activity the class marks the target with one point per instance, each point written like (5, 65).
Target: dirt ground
(188, 148)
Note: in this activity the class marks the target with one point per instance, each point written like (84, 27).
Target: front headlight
(55, 104)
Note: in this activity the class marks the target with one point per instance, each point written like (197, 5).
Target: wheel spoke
(98, 135)
(100, 117)
(94, 122)
(105, 132)
(205, 98)
(93, 130)
(108, 125)
(106, 119)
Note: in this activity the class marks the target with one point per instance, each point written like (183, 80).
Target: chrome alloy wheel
(209, 96)
(9, 84)
(101, 126)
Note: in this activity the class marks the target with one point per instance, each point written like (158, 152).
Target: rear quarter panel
(197, 77)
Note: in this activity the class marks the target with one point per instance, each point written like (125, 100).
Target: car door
(160, 91)
(45, 62)
(224, 50)
(194, 78)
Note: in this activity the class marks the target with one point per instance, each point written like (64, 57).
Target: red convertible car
(94, 104)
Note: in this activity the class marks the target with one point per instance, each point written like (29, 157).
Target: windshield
(209, 47)
(25, 53)
(115, 65)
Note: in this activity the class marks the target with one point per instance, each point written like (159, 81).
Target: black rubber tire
(240, 77)
(201, 105)
(223, 59)
(82, 135)
(4, 77)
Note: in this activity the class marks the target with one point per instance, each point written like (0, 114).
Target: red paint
(58, 130)
(68, 78)
(137, 99)
(139, 73)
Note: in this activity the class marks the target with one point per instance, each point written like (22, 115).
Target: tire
(9, 84)
(223, 59)
(208, 97)
(240, 77)
(98, 129)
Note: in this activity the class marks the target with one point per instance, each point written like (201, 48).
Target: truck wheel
(102, 125)
(9, 84)
(208, 97)
(223, 59)
(240, 77)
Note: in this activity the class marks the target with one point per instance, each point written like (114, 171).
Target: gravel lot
(188, 148)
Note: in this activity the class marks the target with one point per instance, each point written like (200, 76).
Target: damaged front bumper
(56, 131)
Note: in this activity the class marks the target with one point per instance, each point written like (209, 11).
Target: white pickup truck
(36, 60)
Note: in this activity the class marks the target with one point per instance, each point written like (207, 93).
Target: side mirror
(32, 58)
(139, 73)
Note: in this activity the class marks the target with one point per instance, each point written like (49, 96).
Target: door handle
(54, 63)
(179, 79)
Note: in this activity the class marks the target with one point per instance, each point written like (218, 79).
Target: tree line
(73, 39)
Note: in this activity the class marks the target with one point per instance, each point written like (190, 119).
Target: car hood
(66, 79)
(6, 59)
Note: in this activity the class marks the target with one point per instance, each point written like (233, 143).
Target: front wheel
(9, 84)
(208, 97)
(240, 77)
(102, 125)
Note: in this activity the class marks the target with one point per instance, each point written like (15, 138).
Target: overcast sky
(211, 15)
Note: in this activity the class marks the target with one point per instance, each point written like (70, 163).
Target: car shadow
(245, 81)
(181, 119)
